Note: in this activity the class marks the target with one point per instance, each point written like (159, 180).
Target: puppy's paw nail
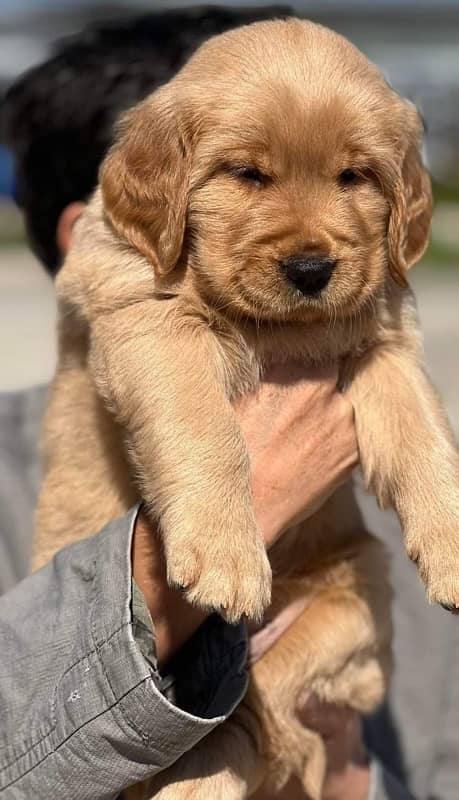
(182, 588)
(451, 608)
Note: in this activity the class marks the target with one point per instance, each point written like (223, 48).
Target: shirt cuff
(195, 678)
(209, 672)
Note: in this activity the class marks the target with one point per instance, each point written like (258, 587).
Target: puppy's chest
(314, 346)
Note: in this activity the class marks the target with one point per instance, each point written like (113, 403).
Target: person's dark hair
(58, 118)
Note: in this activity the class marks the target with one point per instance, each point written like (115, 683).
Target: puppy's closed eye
(349, 177)
(249, 174)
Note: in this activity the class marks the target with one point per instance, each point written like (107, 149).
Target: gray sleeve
(384, 786)
(82, 715)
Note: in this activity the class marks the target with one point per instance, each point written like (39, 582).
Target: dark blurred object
(6, 173)
(58, 118)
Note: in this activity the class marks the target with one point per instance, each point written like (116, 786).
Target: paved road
(27, 317)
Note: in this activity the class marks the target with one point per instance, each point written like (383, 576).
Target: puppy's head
(279, 169)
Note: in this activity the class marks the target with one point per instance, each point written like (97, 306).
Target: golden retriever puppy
(266, 204)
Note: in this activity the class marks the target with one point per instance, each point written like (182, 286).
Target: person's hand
(302, 445)
(348, 773)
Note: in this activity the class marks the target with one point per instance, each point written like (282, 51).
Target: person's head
(58, 118)
(287, 172)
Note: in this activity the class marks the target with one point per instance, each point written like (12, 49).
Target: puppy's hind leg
(226, 765)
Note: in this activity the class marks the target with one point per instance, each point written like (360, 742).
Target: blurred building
(414, 41)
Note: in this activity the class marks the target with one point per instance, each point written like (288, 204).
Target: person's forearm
(81, 706)
(175, 620)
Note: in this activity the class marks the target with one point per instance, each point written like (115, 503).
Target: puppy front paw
(220, 571)
(435, 552)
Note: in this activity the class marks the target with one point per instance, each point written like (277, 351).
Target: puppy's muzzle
(308, 274)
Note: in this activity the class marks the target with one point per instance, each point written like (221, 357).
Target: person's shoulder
(21, 414)
(23, 405)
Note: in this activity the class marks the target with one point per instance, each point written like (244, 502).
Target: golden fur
(172, 303)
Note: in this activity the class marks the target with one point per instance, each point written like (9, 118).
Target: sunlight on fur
(264, 205)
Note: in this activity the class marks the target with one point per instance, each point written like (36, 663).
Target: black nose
(309, 274)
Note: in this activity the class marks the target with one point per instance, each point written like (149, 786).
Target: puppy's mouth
(277, 301)
(315, 294)
(298, 282)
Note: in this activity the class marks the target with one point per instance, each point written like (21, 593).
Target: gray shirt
(84, 710)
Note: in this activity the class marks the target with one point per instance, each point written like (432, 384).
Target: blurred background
(416, 43)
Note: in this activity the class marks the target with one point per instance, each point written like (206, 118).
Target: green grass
(11, 226)
(445, 192)
(441, 255)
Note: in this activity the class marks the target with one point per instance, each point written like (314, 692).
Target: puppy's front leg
(163, 373)
(408, 455)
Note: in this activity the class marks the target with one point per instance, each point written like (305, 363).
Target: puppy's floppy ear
(144, 181)
(411, 206)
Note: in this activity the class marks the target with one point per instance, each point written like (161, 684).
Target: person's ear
(65, 223)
